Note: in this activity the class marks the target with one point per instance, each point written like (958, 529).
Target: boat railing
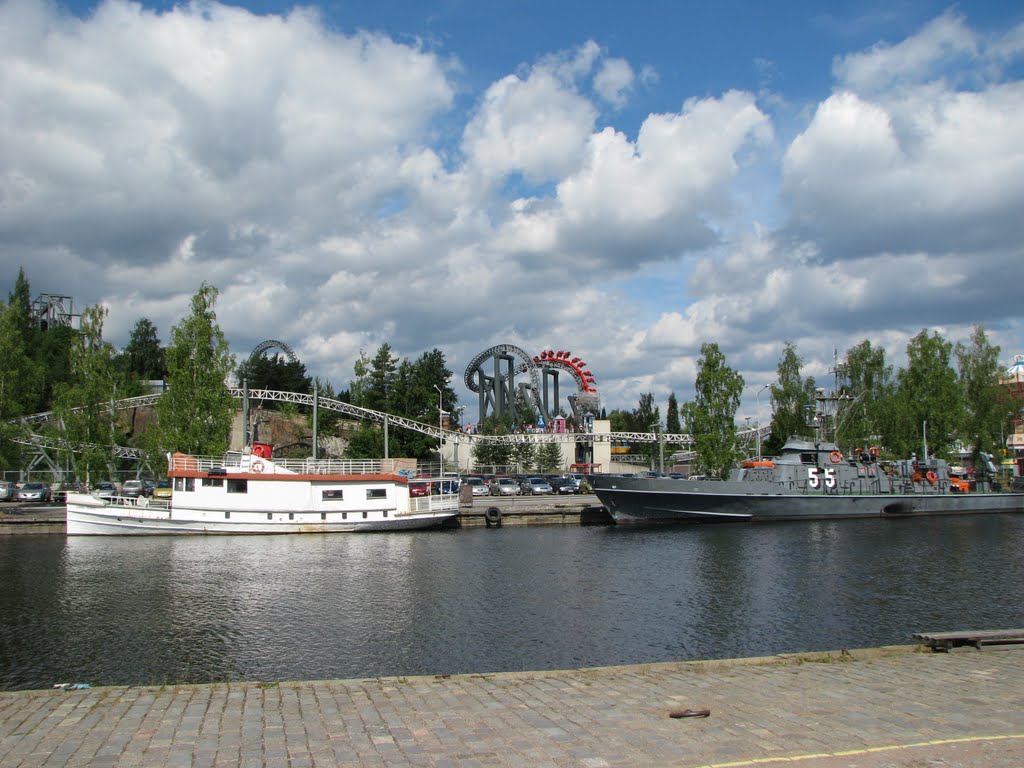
(251, 462)
(136, 503)
(435, 502)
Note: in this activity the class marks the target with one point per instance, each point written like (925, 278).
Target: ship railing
(441, 502)
(250, 462)
(140, 506)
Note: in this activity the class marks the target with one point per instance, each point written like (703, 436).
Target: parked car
(132, 489)
(60, 491)
(564, 485)
(34, 492)
(478, 486)
(148, 486)
(7, 490)
(438, 487)
(162, 489)
(504, 486)
(535, 486)
(105, 488)
(419, 488)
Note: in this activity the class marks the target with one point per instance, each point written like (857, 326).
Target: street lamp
(757, 416)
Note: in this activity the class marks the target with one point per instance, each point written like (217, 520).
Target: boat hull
(665, 500)
(92, 516)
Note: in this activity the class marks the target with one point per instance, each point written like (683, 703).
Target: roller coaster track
(366, 414)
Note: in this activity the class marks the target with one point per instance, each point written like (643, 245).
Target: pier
(893, 707)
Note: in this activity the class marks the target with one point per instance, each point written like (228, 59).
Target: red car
(419, 488)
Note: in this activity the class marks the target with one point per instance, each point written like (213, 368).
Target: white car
(478, 485)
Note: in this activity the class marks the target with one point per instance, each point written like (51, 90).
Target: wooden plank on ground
(943, 641)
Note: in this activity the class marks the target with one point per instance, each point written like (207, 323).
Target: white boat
(249, 492)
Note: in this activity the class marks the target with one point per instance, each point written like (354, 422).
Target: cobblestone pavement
(883, 708)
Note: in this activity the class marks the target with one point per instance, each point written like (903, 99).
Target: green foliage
(792, 399)
(673, 425)
(710, 418)
(142, 357)
(549, 458)
(84, 404)
(979, 379)
(20, 382)
(195, 413)
(493, 455)
(524, 456)
(865, 396)
(277, 373)
(927, 390)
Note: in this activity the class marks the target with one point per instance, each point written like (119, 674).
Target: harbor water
(154, 610)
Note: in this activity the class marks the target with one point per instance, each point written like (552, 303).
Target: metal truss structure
(45, 443)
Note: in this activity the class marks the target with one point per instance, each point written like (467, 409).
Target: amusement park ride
(492, 376)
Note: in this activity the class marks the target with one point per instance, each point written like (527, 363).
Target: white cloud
(614, 81)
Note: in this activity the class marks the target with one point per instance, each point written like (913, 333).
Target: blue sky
(625, 180)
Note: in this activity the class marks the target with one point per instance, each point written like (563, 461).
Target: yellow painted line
(865, 751)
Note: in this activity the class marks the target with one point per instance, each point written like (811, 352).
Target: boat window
(238, 486)
(376, 493)
(190, 483)
(323, 515)
(364, 515)
(333, 494)
(808, 458)
(270, 516)
(291, 515)
(179, 484)
(227, 515)
(216, 482)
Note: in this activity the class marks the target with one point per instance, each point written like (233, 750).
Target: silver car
(504, 486)
(477, 484)
(535, 486)
(33, 492)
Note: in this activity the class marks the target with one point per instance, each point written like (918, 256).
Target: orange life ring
(256, 466)
(932, 477)
(836, 457)
(873, 450)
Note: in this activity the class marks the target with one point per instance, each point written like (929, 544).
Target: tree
(927, 391)
(647, 418)
(496, 456)
(142, 357)
(195, 413)
(85, 403)
(673, 425)
(979, 377)
(275, 372)
(20, 382)
(549, 458)
(792, 398)
(710, 417)
(865, 395)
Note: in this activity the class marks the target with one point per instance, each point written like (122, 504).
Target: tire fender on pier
(492, 517)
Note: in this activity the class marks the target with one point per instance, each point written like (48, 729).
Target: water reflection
(169, 609)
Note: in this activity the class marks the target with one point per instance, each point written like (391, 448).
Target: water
(202, 609)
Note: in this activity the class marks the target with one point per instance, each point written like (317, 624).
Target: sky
(626, 181)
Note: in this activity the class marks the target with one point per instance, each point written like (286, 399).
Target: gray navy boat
(809, 480)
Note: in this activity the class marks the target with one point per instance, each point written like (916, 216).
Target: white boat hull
(92, 516)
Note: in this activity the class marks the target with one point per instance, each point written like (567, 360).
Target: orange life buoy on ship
(932, 477)
(873, 450)
(836, 457)
(256, 466)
